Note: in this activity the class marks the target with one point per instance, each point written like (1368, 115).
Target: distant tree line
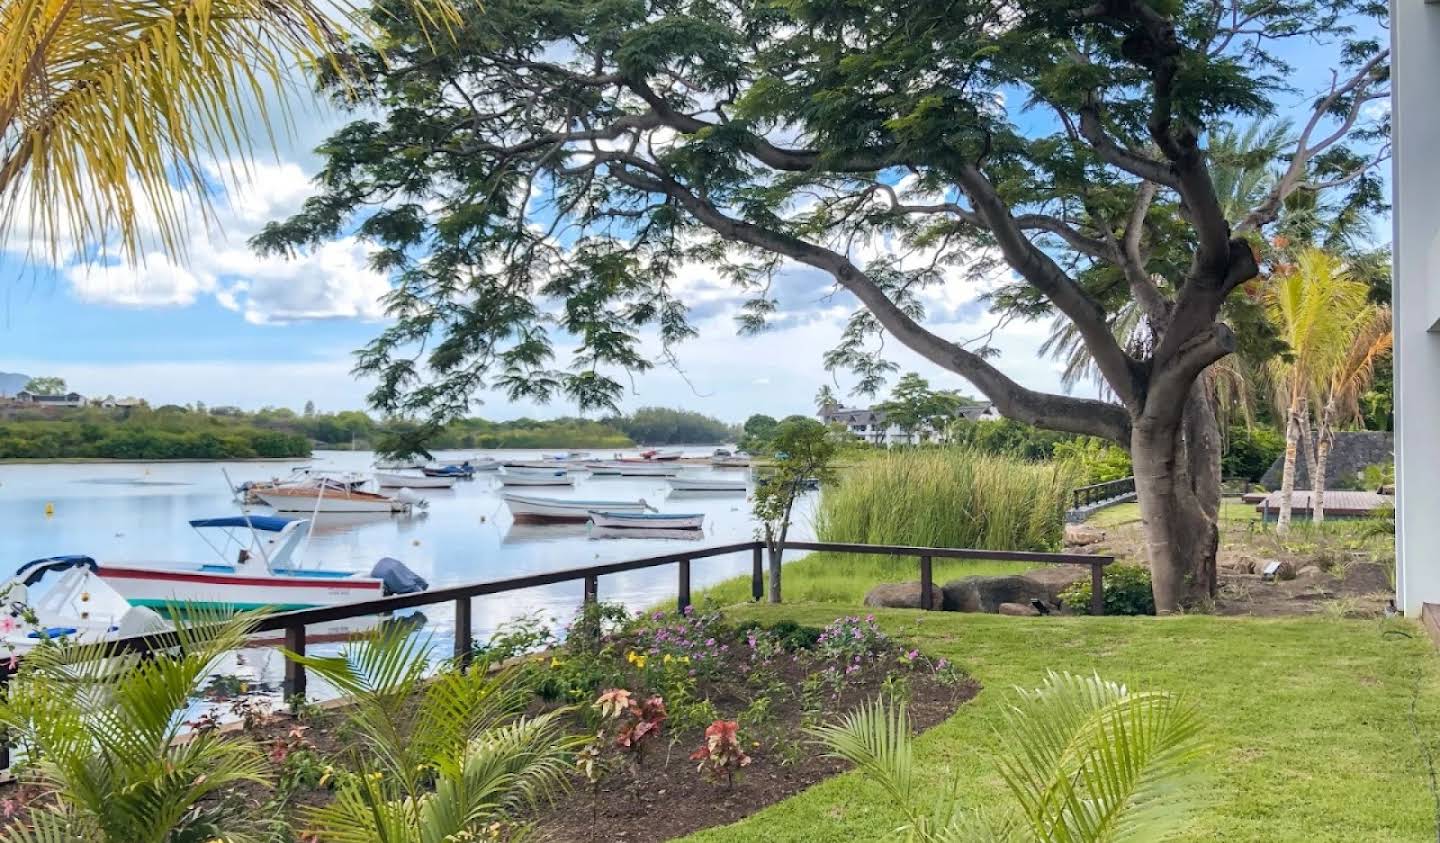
(195, 431)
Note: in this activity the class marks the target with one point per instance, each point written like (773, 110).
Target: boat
(631, 468)
(558, 477)
(647, 520)
(633, 533)
(249, 492)
(535, 468)
(324, 497)
(731, 461)
(387, 480)
(602, 469)
(455, 472)
(400, 465)
(666, 456)
(525, 508)
(65, 608)
(684, 483)
(264, 573)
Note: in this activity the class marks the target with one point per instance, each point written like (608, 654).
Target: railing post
(1097, 589)
(464, 644)
(5, 733)
(295, 671)
(683, 599)
(592, 589)
(757, 574)
(927, 583)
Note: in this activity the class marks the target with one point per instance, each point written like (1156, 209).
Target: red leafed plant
(721, 754)
(645, 718)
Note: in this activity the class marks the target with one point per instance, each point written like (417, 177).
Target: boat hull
(681, 484)
(219, 589)
(413, 481)
(647, 521)
(331, 502)
(537, 480)
(526, 510)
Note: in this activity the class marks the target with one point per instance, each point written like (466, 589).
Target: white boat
(400, 465)
(687, 483)
(264, 574)
(534, 468)
(647, 520)
(634, 468)
(525, 508)
(326, 497)
(732, 461)
(412, 481)
(602, 469)
(66, 608)
(557, 477)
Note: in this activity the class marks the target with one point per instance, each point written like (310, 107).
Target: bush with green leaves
(1089, 761)
(1127, 592)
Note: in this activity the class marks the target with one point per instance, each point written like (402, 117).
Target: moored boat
(731, 461)
(649, 533)
(458, 472)
(525, 508)
(685, 483)
(559, 477)
(387, 480)
(648, 520)
(326, 498)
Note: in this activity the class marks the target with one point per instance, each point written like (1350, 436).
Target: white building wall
(1415, 38)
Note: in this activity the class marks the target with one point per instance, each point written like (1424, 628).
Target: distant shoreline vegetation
(197, 432)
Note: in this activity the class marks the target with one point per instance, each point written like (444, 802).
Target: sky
(231, 328)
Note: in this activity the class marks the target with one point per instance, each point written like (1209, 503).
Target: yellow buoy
(49, 509)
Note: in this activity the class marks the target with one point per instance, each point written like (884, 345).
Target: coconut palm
(111, 112)
(1367, 340)
(1092, 762)
(1312, 306)
(98, 730)
(434, 760)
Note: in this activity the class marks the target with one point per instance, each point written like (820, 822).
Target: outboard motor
(397, 578)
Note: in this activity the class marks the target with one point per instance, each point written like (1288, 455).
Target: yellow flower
(669, 658)
(555, 662)
(635, 659)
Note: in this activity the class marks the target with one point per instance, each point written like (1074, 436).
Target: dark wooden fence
(293, 623)
(1089, 495)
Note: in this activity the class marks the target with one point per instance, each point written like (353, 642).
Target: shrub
(948, 497)
(1127, 592)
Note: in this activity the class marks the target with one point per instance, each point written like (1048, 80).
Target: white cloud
(155, 283)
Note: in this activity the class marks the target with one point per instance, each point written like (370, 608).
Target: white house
(871, 425)
(1415, 42)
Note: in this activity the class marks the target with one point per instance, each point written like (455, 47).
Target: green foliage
(1090, 762)
(1095, 460)
(948, 497)
(46, 386)
(756, 433)
(1127, 592)
(915, 408)
(1007, 437)
(801, 451)
(437, 758)
(1380, 474)
(99, 730)
(664, 426)
(1251, 451)
(145, 434)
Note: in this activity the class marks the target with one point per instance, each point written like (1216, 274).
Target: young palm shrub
(99, 731)
(435, 759)
(1093, 762)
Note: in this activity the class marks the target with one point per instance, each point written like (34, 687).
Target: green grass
(1310, 730)
(845, 578)
(1233, 513)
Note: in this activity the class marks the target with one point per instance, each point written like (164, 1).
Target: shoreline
(118, 461)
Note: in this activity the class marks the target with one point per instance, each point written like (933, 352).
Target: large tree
(585, 149)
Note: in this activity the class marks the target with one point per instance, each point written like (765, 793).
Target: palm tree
(1368, 340)
(433, 760)
(110, 113)
(1092, 762)
(825, 398)
(1311, 306)
(98, 729)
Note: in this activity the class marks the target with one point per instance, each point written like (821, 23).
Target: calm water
(139, 511)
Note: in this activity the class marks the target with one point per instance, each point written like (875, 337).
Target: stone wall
(1353, 450)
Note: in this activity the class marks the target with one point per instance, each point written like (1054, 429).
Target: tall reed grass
(948, 497)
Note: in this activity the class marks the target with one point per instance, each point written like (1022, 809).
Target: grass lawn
(1311, 731)
(845, 578)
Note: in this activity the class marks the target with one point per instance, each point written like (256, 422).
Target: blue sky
(232, 328)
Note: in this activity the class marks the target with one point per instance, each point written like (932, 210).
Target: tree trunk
(1308, 445)
(775, 549)
(1287, 477)
(1177, 481)
(1324, 439)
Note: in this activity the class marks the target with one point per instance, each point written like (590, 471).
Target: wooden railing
(293, 623)
(1088, 495)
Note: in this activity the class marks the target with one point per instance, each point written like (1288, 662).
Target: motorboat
(66, 608)
(655, 533)
(265, 572)
(555, 477)
(455, 472)
(249, 492)
(327, 497)
(388, 480)
(730, 461)
(647, 520)
(631, 468)
(691, 483)
(525, 508)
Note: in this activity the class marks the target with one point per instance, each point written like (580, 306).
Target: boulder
(1238, 564)
(1276, 570)
(1309, 572)
(900, 595)
(1368, 578)
(1057, 578)
(1082, 535)
(1018, 609)
(985, 594)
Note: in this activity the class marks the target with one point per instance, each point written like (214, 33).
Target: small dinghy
(648, 520)
(388, 480)
(657, 533)
(553, 477)
(683, 483)
(457, 472)
(527, 509)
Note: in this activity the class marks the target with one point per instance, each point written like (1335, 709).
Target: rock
(1082, 535)
(1239, 564)
(1368, 578)
(985, 594)
(1309, 572)
(900, 595)
(1018, 609)
(1057, 578)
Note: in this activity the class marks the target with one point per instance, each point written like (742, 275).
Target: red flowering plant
(642, 719)
(721, 754)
